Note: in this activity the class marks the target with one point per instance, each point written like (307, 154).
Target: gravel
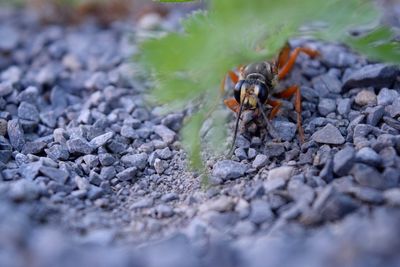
(90, 175)
(374, 75)
(228, 169)
(328, 135)
(365, 97)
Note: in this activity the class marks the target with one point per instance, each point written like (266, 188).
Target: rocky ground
(92, 176)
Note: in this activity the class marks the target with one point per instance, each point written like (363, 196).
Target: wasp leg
(234, 78)
(286, 68)
(276, 105)
(287, 94)
(284, 55)
(232, 104)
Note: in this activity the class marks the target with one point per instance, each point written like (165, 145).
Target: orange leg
(287, 94)
(276, 105)
(283, 55)
(232, 104)
(234, 77)
(286, 68)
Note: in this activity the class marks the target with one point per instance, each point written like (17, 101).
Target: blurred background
(103, 11)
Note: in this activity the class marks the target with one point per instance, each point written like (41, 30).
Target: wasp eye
(262, 93)
(237, 90)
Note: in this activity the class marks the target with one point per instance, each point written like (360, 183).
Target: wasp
(255, 87)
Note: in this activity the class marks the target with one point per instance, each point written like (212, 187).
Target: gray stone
(5, 155)
(136, 160)
(30, 95)
(368, 156)
(79, 146)
(28, 112)
(260, 212)
(95, 192)
(251, 153)
(163, 211)
(368, 176)
(166, 134)
(244, 228)
(21, 159)
(173, 121)
(274, 184)
(107, 173)
(169, 197)
(376, 75)
(3, 127)
(391, 176)
(273, 149)
(57, 152)
(164, 153)
(221, 204)
(11, 75)
(392, 196)
(24, 190)
(327, 171)
(82, 183)
(16, 134)
(394, 109)
(49, 118)
(260, 161)
(328, 82)
(97, 81)
(300, 192)
(128, 132)
(91, 160)
(386, 96)
(375, 114)
(94, 178)
(242, 142)
(106, 159)
(328, 135)
(228, 169)
(326, 106)
(337, 206)
(240, 153)
(284, 172)
(160, 165)
(31, 170)
(343, 106)
(55, 174)
(343, 161)
(5, 89)
(128, 174)
(309, 94)
(116, 147)
(9, 38)
(35, 147)
(101, 140)
(46, 76)
(142, 203)
(366, 194)
(365, 98)
(285, 130)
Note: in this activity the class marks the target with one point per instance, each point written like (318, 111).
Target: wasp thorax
(261, 71)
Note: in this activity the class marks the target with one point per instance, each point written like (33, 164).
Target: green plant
(189, 66)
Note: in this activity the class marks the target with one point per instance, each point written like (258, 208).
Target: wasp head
(250, 92)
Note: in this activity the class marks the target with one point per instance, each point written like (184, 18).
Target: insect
(256, 87)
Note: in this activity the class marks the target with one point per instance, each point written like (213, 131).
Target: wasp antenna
(236, 129)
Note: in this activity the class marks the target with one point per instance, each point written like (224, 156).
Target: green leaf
(191, 139)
